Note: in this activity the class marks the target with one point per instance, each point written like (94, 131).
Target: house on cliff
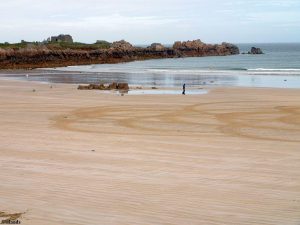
(61, 38)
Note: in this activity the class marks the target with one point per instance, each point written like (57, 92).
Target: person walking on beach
(183, 89)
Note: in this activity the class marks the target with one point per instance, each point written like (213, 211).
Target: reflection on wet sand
(162, 80)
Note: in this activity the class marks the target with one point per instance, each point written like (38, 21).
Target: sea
(278, 67)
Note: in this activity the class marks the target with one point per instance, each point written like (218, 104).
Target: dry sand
(82, 157)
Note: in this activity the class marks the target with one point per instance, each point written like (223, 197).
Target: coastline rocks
(233, 49)
(196, 44)
(122, 45)
(3, 54)
(197, 48)
(255, 51)
(157, 47)
(121, 51)
(112, 86)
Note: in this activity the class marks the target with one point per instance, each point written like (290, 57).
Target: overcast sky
(146, 21)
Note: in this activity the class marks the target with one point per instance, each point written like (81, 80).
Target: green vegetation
(57, 45)
(17, 45)
(78, 45)
(102, 42)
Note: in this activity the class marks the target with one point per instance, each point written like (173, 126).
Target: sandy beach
(231, 156)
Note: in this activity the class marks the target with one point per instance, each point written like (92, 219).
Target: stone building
(62, 38)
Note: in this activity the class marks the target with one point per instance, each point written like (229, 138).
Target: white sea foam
(183, 71)
(275, 69)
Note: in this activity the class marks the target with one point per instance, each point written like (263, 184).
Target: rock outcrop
(188, 45)
(255, 51)
(198, 48)
(121, 51)
(122, 45)
(157, 47)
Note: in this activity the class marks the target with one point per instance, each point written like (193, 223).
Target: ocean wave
(225, 72)
(274, 69)
(186, 71)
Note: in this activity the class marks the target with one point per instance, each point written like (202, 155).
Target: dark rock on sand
(112, 86)
(123, 86)
(82, 87)
(92, 87)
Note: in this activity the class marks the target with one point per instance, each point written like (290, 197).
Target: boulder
(123, 86)
(113, 86)
(157, 47)
(122, 45)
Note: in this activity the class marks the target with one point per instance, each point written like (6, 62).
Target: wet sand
(231, 156)
(171, 79)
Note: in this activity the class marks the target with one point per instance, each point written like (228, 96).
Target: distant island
(61, 50)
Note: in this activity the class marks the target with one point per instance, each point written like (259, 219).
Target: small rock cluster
(255, 51)
(112, 86)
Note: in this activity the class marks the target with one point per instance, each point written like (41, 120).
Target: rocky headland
(45, 56)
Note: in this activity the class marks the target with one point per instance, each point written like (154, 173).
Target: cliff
(44, 56)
